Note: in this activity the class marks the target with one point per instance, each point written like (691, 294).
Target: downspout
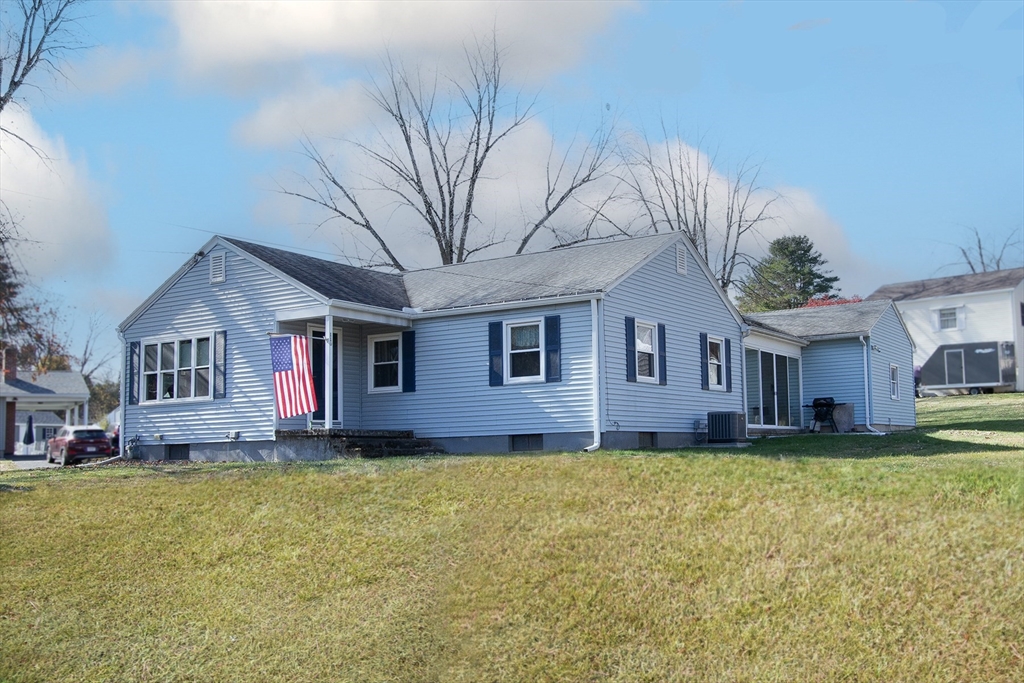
(595, 353)
(744, 333)
(867, 389)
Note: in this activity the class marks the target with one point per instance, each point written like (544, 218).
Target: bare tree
(35, 36)
(434, 155)
(677, 188)
(981, 257)
(93, 359)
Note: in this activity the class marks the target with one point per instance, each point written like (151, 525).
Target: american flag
(293, 378)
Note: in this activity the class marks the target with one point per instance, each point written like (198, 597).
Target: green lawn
(814, 558)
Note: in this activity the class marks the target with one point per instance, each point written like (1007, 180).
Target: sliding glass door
(773, 389)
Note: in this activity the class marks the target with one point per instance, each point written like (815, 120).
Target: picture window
(175, 370)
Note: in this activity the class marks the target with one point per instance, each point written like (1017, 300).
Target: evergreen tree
(788, 277)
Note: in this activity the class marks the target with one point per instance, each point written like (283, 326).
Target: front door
(316, 352)
(955, 366)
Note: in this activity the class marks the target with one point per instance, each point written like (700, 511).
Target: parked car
(77, 442)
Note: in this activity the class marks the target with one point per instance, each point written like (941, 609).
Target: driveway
(29, 462)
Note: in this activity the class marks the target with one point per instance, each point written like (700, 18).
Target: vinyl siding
(988, 317)
(245, 307)
(687, 305)
(893, 347)
(453, 397)
(835, 368)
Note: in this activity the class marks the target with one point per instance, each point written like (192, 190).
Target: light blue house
(857, 353)
(620, 344)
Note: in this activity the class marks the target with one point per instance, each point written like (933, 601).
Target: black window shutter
(630, 349)
(662, 358)
(409, 361)
(220, 369)
(553, 347)
(704, 361)
(728, 366)
(494, 334)
(133, 373)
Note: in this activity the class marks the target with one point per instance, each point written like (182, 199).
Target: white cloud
(62, 226)
(544, 37)
(104, 70)
(311, 109)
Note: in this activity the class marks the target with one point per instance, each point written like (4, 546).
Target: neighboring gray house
(621, 344)
(968, 330)
(859, 353)
(24, 390)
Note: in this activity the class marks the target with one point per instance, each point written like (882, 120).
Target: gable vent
(217, 269)
(680, 259)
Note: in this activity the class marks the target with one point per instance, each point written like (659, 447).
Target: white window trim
(961, 318)
(370, 339)
(507, 348)
(721, 366)
(894, 387)
(636, 351)
(174, 338)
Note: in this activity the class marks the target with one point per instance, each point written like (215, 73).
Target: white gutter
(595, 353)
(867, 389)
(416, 314)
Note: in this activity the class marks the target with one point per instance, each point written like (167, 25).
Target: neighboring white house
(24, 390)
(968, 330)
(44, 425)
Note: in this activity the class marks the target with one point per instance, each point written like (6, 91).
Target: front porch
(358, 352)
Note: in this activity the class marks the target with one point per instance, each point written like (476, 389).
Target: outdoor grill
(823, 408)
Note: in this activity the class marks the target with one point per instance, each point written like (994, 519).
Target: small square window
(947, 319)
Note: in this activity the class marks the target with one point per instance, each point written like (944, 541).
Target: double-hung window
(176, 369)
(894, 382)
(524, 361)
(385, 354)
(646, 352)
(716, 360)
(947, 319)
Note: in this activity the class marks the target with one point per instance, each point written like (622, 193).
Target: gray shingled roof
(333, 280)
(40, 418)
(582, 269)
(953, 285)
(823, 322)
(44, 384)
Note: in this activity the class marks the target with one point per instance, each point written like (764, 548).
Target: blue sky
(890, 128)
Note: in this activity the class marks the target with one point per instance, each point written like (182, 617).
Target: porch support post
(85, 410)
(329, 371)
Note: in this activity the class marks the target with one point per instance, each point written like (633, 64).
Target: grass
(815, 558)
